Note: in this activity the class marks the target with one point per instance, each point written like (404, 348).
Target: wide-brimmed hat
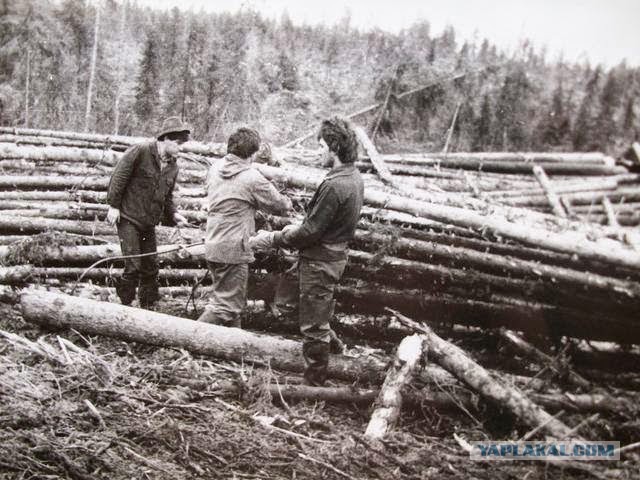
(173, 125)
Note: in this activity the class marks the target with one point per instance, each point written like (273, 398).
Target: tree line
(116, 67)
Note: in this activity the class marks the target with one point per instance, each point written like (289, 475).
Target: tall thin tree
(92, 72)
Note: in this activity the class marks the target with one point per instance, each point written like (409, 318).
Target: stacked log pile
(433, 249)
(460, 241)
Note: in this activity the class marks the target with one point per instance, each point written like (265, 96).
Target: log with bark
(53, 310)
(456, 362)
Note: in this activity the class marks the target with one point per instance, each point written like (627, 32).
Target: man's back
(235, 191)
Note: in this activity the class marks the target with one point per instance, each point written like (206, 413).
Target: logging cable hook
(182, 248)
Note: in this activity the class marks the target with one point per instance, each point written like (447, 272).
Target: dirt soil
(76, 407)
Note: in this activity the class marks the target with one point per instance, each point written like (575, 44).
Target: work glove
(261, 240)
(113, 216)
(289, 228)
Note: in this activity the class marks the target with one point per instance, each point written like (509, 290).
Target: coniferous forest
(115, 67)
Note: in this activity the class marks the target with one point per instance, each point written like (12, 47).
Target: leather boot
(126, 290)
(316, 356)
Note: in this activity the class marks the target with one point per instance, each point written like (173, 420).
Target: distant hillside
(221, 70)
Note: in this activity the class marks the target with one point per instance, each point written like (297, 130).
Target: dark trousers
(141, 271)
(306, 291)
(229, 297)
(308, 287)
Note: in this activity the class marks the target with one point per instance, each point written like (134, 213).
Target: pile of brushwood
(470, 314)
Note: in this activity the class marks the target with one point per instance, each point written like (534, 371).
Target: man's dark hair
(340, 138)
(244, 142)
(175, 136)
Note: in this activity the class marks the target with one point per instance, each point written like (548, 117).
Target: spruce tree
(148, 82)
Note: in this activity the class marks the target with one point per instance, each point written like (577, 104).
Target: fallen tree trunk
(528, 157)
(389, 401)
(67, 154)
(464, 258)
(36, 225)
(456, 362)
(217, 150)
(51, 182)
(18, 224)
(573, 242)
(544, 360)
(53, 310)
(587, 197)
(408, 167)
(376, 159)
(63, 196)
(549, 191)
(582, 403)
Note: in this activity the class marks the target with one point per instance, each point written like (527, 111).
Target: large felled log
(456, 362)
(566, 240)
(389, 401)
(466, 257)
(529, 157)
(89, 254)
(53, 182)
(22, 274)
(54, 310)
(36, 225)
(107, 140)
(67, 154)
(584, 197)
(62, 196)
(21, 224)
(552, 168)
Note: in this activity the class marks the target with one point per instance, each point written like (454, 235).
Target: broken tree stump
(400, 374)
(549, 191)
(456, 362)
(522, 346)
(377, 161)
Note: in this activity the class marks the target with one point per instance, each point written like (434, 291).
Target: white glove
(180, 221)
(261, 240)
(113, 216)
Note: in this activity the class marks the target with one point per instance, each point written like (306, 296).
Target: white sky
(605, 31)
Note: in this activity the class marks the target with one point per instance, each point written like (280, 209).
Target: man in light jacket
(235, 190)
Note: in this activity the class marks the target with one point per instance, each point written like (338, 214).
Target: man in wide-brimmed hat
(140, 196)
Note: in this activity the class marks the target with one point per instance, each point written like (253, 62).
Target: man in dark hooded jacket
(235, 190)
(140, 196)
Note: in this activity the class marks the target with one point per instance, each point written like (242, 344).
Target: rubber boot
(316, 356)
(208, 316)
(148, 294)
(126, 291)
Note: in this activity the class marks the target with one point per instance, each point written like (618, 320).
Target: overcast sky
(606, 31)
